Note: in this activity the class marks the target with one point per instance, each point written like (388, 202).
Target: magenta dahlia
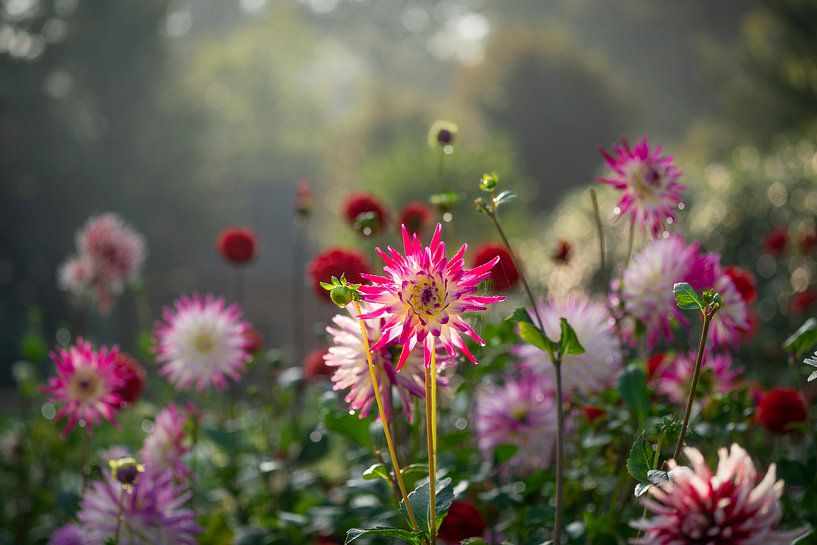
(166, 445)
(727, 507)
(717, 376)
(424, 296)
(201, 342)
(87, 384)
(648, 182)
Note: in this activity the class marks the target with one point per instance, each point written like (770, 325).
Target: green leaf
(686, 297)
(504, 197)
(421, 505)
(639, 462)
(569, 344)
(632, 385)
(411, 469)
(377, 471)
(396, 533)
(802, 340)
(473, 541)
(349, 426)
(534, 336)
(504, 452)
(520, 315)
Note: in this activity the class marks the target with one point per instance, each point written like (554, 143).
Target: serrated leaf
(421, 504)
(639, 462)
(569, 344)
(377, 471)
(686, 297)
(397, 533)
(632, 385)
(802, 340)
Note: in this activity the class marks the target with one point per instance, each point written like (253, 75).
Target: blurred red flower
(361, 203)
(504, 276)
(255, 342)
(463, 521)
(808, 242)
(562, 252)
(416, 216)
(303, 199)
(591, 414)
(776, 241)
(744, 282)
(335, 262)
(130, 390)
(779, 408)
(237, 245)
(314, 364)
(803, 300)
(654, 363)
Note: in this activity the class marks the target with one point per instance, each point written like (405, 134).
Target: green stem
(560, 439)
(600, 230)
(694, 387)
(630, 237)
(119, 517)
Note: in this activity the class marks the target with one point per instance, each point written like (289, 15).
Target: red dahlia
(358, 204)
(336, 262)
(237, 245)
(591, 414)
(255, 342)
(808, 242)
(803, 300)
(133, 376)
(780, 408)
(314, 364)
(415, 216)
(776, 241)
(463, 521)
(744, 282)
(654, 363)
(504, 275)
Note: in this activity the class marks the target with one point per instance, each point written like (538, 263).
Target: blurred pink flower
(86, 386)
(717, 377)
(201, 342)
(586, 373)
(424, 296)
(648, 182)
(351, 368)
(732, 320)
(165, 447)
(728, 507)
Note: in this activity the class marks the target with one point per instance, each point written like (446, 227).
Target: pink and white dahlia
(521, 412)
(86, 386)
(347, 358)
(165, 447)
(76, 276)
(645, 288)
(717, 376)
(201, 342)
(117, 250)
(648, 182)
(153, 511)
(731, 322)
(424, 295)
(587, 373)
(728, 507)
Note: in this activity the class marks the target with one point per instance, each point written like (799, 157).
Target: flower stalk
(431, 433)
(560, 441)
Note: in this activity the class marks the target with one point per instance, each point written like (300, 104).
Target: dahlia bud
(489, 182)
(126, 470)
(442, 135)
(303, 200)
(341, 292)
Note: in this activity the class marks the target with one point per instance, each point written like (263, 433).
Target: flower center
(85, 385)
(203, 342)
(647, 179)
(425, 297)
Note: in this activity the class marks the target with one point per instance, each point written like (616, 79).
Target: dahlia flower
(729, 507)
(647, 281)
(462, 521)
(336, 262)
(153, 511)
(315, 364)
(133, 378)
(586, 373)
(86, 385)
(744, 282)
(201, 342)
(504, 276)
(237, 245)
(803, 300)
(781, 408)
(347, 358)
(415, 216)
(424, 297)
(303, 199)
(76, 276)
(165, 447)
(358, 204)
(776, 240)
(648, 181)
(67, 534)
(116, 249)
(521, 412)
(442, 134)
(717, 376)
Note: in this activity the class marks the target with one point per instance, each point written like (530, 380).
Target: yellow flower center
(85, 385)
(204, 342)
(425, 297)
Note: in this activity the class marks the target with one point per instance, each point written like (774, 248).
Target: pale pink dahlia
(116, 249)
(521, 412)
(153, 511)
(86, 384)
(731, 322)
(717, 376)
(76, 276)
(645, 288)
(347, 358)
(648, 181)
(587, 373)
(424, 295)
(729, 507)
(165, 447)
(201, 342)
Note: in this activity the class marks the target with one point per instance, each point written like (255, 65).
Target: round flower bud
(442, 134)
(489, 182)
(126, 470)
(342, 295)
